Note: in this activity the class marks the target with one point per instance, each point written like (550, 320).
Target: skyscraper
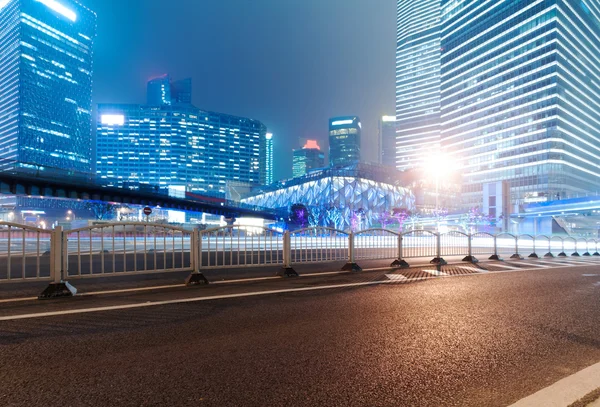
(158, 91)
(417, 81)
(310, 157)
(177, 146)
(344, 140)
(266, 162)
(387, 141)
(520, 95)
(46, 86)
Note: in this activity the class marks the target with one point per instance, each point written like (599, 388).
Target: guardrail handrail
(111, 225)
(264, 228)
(25, 227)
(391, 232)
(319, 228)
(419, 231)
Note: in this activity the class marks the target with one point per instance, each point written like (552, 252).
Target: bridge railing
(119, 249)
(319, 244)
(132, 247)
(25, 252)
(240, 246)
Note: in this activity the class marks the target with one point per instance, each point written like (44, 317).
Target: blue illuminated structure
(342, 191)
(46, 86)
(178, 146)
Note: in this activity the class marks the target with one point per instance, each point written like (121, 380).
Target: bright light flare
(440, 165)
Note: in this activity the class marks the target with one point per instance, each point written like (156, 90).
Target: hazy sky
(290, 63)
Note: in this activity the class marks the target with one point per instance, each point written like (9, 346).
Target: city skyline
(293, 90)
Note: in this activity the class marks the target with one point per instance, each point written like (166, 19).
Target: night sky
(290, 63)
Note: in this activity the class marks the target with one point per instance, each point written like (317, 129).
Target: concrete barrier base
(58, 290)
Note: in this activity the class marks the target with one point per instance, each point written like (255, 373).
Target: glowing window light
(342, 122)
(3, 3)
(59, 8)
(113, 119)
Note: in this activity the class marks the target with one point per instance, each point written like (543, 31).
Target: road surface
(403, 338)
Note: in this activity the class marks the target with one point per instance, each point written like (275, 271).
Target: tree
(400, 215)
(473, 218)
(385, 219)
(299, 215)
(101, 210)
(356, 219)
(333, 217)
(315, 216)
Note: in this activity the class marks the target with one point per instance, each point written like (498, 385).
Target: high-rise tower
(46, 84)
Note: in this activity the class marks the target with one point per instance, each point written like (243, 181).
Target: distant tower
(387, 141)
(266, 171)
(344, 140)
(310, 157)
(159, 91)
(46, 84)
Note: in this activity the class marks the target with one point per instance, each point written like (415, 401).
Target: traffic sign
(147, 211)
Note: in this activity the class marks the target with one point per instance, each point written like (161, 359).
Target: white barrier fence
(33, 254)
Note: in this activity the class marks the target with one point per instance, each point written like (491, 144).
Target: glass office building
(344, 140)
(308, 158)
(46, 87)
(520, 95)
(417, 81)
(177, 146)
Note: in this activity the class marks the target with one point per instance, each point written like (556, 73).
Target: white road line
(504, 266)
(590, 275)
(187, 300)
(396, 277)
(18, 300)
(475, 269)
(434, 272)
(565, 391)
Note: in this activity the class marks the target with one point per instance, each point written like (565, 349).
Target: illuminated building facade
(308, 158)
(46, 86)
(266, 160)
(344, 140)
(177, 146)
(521, 95)
(338, 193)
(417, 81)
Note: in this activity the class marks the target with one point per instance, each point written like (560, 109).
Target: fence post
(470, 257)
(400, 262)
(58, 287)
(438, 251)
(196, 277)
(287, 270)
(516, 255)
(549, 254)
(351, 264)
(562, 246)
(576, 254)
(596, 248)
(495, 255)
(587, 248)
(534, 254)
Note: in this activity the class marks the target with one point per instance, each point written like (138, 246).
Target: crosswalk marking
(504, 266)
(397, 277)
(475, 269)
(435, 272)
(531, 264)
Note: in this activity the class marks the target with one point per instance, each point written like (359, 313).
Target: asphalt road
(486, 339)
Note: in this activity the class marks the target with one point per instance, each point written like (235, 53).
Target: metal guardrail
(117, 249)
